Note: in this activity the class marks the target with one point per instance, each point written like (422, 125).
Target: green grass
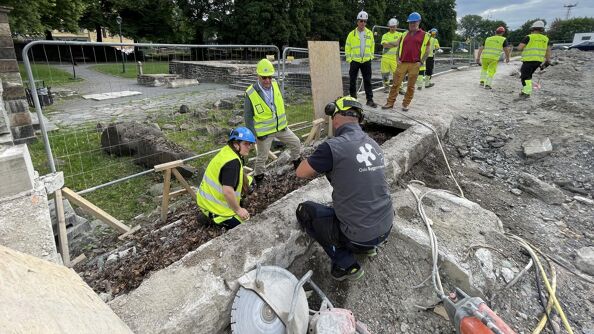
(115, 69)
(52, 76)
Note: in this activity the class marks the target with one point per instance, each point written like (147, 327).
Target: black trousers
(366, 73)
(429, 64)
(528, 68)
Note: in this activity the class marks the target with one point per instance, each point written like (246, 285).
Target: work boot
(370, 252)
(258, 180)
(354, 272)
(524, 95)
(404, 108)
(371, 104)
(488, 87)
(387, 106)
(296, 162)
(482, 83)
(420, 87)
(429, 85)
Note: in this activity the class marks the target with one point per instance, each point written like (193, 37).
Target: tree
(563, 30)
(470, 25)
(42, 16)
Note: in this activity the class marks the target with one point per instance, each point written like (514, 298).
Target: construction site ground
(484, 149)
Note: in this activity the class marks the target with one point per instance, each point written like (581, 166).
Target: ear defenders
(346, 106)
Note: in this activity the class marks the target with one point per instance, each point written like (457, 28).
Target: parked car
(584, 46)
(560, 47)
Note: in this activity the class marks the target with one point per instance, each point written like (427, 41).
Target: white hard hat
(538, 24)
(362, 15)
(393, 22)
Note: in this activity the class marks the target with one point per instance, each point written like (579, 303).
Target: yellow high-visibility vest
(536, 48)
(352, 47)
(210, 195)
(493, 47)
(390, 53)
(266, 121)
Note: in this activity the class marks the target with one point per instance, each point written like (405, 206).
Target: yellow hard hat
(265, 68)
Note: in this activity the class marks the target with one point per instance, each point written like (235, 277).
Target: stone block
(5, 29)
(7, 53)
(540, 189)
(11, 79)
(23, 134)
(8, 65)
(53, 181)
(4, 17)
(19, 118)
(16, 170)
(537, 147)
(16, 106)
(585, 260)
(6, 41)
(13, 92)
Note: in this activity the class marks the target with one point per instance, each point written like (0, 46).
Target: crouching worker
(224, 181)
(362, 214)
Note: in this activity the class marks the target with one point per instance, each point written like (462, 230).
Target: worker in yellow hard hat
(536, 50)
(430, 63)
(264, 114)
(488, 56)
(388, 64)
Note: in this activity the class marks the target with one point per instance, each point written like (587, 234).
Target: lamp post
(119, 21)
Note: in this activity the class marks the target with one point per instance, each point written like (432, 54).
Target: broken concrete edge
(198, 290)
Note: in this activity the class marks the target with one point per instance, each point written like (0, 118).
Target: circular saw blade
(251, 315)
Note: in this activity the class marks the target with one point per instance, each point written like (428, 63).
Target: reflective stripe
(250, 91)
(212, 198)
(216, 186)
(270, 121)
(281, 124)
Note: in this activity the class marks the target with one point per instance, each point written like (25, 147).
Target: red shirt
(411, 47)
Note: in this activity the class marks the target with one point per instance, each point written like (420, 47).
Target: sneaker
(404, 108)
(524, 95)
(371, 104)
(353, 273)
(258, 179)
(482, 83)
(420, 87)
(488, 87)
(387, 106)
(429, 85)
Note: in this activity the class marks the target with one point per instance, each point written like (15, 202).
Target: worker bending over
(362, 214)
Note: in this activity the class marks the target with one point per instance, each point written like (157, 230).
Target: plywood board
(42, 297)
(325, 73)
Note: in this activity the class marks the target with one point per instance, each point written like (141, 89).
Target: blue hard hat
(243, 134)
(414, 17)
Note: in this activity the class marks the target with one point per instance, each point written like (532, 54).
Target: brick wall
(210, 71)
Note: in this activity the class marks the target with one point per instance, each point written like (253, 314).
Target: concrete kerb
(195, 294)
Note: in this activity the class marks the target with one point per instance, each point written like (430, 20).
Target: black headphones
(332, 108)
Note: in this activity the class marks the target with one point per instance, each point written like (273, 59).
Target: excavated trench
(159, 244)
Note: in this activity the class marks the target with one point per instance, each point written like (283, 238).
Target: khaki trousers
(285, 136)
(412, 69)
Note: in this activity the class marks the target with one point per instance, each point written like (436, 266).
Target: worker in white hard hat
(264, 114)
(358, 49)
(536, 51)
(390, 42)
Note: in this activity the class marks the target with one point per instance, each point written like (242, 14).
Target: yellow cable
(552, 296)
(543, 321)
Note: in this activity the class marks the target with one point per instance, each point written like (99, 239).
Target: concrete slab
(25, 224)
(110, 95)
(42, 297)
(16, 170)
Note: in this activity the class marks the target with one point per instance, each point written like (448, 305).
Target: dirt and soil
(484, 148)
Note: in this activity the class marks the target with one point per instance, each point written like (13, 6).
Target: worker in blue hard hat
(411, 55)
(224, 181)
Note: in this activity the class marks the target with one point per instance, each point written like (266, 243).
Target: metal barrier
(82, 147)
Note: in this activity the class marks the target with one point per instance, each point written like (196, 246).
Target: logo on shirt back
(370, 157)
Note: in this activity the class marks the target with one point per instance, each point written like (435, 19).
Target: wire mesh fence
(121, 109)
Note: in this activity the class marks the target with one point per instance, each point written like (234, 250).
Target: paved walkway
(76, 110)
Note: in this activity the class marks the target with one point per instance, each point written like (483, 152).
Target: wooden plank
(325, 73)
(168, 165)
(78, 260)
(314, 133)
(95, 210)
(129, 233)
(165, 203)
(62, 234)
(184, 183)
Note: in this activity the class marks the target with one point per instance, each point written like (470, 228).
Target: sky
(516, 12)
